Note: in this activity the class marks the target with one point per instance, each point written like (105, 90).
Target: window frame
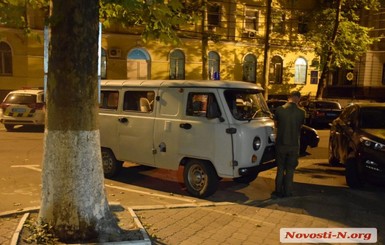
(176, 63)
(254, 20)
(300, 71)
(6, 62)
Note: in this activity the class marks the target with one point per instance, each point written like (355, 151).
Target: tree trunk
(73, 195)
(329, 56)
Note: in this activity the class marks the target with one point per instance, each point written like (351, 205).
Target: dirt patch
(130, 230)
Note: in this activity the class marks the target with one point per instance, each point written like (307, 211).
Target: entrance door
(138, 64)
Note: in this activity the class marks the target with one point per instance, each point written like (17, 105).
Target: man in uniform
(289, 119)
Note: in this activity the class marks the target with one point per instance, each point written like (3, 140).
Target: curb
(146, 239)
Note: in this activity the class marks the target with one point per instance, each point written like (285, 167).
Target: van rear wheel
(111, 166)
(200, 178)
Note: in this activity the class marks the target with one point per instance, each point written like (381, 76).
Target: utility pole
(205, 40)
(266, 53)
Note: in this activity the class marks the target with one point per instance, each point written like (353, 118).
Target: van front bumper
(256, 169)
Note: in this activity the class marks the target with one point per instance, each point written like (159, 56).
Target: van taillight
(4, 106)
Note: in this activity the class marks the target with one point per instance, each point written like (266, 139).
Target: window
(276, 70)
(302, 25)
(177, 65)
(251, 19)
(139, 101)
(278, 23)
(5, 59)
(103, 64)
(300, 71)
(214, 62)
(214, 15)
(249, 68)
(313, 77)
(109, 100)
(202, 105)
(383, 74)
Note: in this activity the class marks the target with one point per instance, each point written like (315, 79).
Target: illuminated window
(300, 71)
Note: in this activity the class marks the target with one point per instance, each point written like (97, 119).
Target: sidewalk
(214, 223)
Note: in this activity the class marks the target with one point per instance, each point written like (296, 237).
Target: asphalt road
(319, 189)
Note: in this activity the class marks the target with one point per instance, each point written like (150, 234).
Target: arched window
(300, 71)
(214, 68)
(249, 68)
(177, 65)
(103, 64)
(276, 70)
(5, 59)
(138, 64)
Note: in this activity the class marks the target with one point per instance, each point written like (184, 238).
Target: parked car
(309, 136)
(321, 112)
(357, 140)
(23, 107)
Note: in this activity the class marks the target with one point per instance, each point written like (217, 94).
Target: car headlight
(256, 143)
(372, 144)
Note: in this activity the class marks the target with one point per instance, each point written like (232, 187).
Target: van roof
(180, 83)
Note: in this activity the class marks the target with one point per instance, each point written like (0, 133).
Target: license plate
(330, 114)
(18, 110)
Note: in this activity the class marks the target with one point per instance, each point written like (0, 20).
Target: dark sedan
(321, 112)
(357, 140)
(309, 136)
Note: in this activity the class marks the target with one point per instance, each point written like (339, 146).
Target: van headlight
(256, 143)
(372, 144)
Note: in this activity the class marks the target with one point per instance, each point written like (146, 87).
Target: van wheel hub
(197, 178)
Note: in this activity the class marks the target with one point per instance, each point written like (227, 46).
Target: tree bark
(73, 195)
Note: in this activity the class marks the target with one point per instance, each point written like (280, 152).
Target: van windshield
(246, 104)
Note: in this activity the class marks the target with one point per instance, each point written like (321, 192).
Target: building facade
(235, 50)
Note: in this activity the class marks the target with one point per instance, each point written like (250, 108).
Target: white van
(214, 129)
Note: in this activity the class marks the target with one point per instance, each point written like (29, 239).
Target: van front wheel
(200, 178)
(111, 166)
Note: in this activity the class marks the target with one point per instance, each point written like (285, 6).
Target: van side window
(198, 104)
(140, 101)
(109, 100)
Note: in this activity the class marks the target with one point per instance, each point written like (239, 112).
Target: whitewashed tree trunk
(73, 194)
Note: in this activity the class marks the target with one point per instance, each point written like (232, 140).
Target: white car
(23, 107)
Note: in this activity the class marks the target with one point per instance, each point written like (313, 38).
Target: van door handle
(123, 120)
(185, 125)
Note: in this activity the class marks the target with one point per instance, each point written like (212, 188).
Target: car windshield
(373, 118)
(20, 99)
(246, 104)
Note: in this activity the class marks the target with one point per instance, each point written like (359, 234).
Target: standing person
(289, 118)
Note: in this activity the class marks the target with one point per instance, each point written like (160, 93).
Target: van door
(136, 127)
(203, 137)
(167, 128)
